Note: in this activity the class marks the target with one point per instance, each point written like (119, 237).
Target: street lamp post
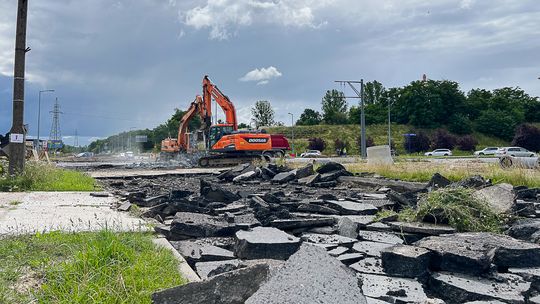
(292, 131)
(389, 126)
(39, 117)
(129, 138)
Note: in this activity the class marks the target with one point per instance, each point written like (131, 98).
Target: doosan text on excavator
(225, 144)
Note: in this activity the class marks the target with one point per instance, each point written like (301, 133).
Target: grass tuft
(458, 208)
(98, 267)
(43, 177)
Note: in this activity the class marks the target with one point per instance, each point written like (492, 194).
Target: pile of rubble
(268, 234)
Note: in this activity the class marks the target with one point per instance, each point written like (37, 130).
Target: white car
(311, 153)
(439, 152)
(487, 151)
(515, 152)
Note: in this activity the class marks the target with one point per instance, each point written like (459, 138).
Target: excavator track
(229, 160)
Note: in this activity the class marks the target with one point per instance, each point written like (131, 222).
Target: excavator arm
(195, 107)
(211, 90)
(182, 142)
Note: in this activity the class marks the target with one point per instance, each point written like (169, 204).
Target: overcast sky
(116, 65)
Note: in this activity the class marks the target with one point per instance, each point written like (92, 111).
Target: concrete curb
(187, 272)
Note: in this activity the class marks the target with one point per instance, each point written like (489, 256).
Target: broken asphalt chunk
(310, 276)
(265, 243)
(200, 225)
(406, 261)
(233, 287)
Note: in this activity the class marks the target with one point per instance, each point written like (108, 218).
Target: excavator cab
(217, 132)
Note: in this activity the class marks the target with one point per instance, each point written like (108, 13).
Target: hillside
(350, 134)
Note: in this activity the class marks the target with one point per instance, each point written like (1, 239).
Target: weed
(135, 211)
(456, 207)
(384, 214)
(15, 203)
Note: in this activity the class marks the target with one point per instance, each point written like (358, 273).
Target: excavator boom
(211, 90)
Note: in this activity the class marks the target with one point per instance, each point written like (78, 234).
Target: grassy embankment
(350, 134)
(98, 267)
(43, 177)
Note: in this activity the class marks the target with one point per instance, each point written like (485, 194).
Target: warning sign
(16, 138)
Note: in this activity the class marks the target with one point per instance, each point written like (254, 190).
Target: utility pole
(292, 131)
(17, 149)
(362, 112)
(76, 141)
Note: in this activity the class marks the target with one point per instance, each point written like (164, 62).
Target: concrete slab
(31, 212)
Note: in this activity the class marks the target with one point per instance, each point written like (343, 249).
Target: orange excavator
(225, 144)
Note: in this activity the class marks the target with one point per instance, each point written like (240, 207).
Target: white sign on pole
(16, 138)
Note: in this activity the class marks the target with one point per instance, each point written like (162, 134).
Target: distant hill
(350, 134)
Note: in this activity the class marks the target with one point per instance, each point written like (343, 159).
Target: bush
(460, 209)
(442, 139)
(467, 143)
(316, 143)
(418, 143)
(528, 137)
(369, 141)
(460, 124)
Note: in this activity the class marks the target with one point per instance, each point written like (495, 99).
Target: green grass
(98, 267)
(350, 133)
(422, 171)
(44, 177)
(456, 207)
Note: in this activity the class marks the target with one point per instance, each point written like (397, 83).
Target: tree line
(433, 104)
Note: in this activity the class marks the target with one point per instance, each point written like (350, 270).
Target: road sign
(55, 144)
(141, 138)
(16, 138)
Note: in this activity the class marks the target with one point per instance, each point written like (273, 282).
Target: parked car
(514, 151)
(487, 151)
(85, 154)
(439, 152)
(311, 153)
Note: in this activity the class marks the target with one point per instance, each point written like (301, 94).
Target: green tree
(334, 107)
(477, 100)
(243, 126)
(263, 113)
(376, 113)
(460, 124)
(429, 104)
(497, 123)
(374, 92)
(309, 117)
